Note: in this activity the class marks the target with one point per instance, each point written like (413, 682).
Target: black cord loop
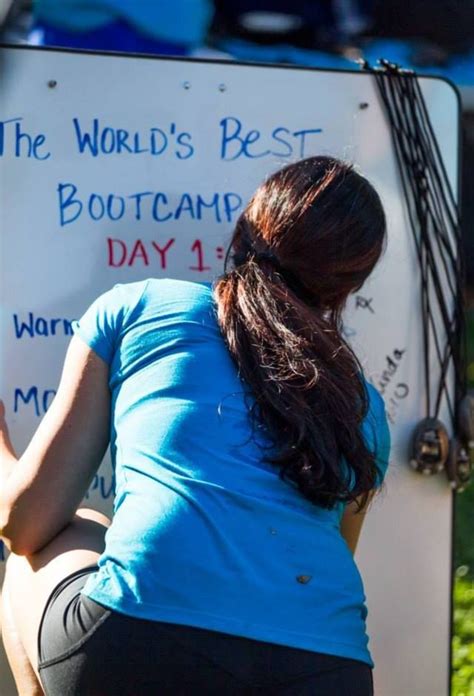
(436, 230)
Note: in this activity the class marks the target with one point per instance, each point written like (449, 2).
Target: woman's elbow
(17, 540)
(14, 543)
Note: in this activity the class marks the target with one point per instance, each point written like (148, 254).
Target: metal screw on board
(52, 84)
(363, 105)
(222, 87)
(187, 85)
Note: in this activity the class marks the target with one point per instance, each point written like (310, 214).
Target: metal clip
(459, 466)
(466, 418)
(430, 447)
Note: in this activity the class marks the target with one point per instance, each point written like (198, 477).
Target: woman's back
(205, 533)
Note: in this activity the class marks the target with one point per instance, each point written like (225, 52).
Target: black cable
(436, 230)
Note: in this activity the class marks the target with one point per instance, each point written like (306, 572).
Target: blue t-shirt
(204, 532)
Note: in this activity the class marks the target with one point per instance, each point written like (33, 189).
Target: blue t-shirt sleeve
(377, 433)
(101, 326)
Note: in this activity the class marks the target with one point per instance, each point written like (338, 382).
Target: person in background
(247, 445)
(149, 26)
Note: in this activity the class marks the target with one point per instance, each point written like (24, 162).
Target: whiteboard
(116, 168)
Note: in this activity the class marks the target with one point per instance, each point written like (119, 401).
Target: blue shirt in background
(204, 532)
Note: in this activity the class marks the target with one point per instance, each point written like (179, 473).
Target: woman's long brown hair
(310, 236)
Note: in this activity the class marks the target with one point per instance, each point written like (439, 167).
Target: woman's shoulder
(176, 287)
(162, 285)
(124, 302)
(176, 297)
(155, 291)
(167, 301)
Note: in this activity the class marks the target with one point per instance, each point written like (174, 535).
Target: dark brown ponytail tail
(304, 379)
(279, 309)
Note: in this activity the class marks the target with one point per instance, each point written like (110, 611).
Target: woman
(247, 445)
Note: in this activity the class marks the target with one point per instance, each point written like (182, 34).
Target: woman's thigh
(30, 580)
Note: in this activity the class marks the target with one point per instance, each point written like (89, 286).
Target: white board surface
(117, 168)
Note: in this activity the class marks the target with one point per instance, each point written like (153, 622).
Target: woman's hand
(3, 422)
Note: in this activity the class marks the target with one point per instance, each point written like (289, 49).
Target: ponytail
(286, 340)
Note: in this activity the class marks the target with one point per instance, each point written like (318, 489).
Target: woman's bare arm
(351, 523)
(41, 494)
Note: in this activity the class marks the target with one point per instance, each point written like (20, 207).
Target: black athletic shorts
(86, 649)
